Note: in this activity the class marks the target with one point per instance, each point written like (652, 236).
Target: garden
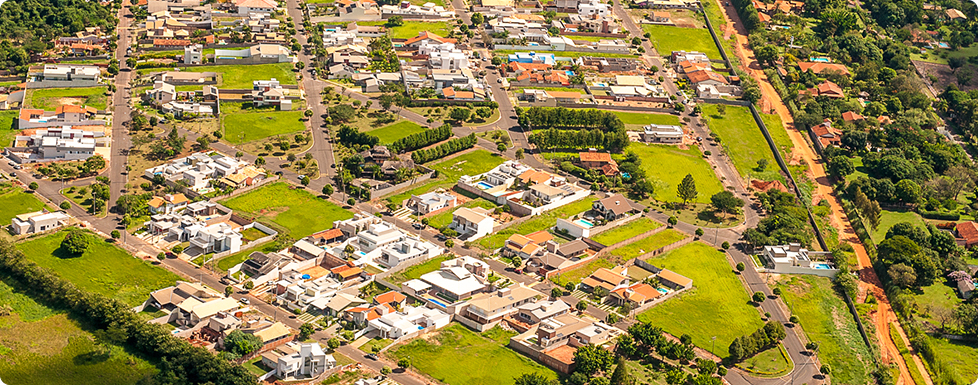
(648, 244)
(293, 209)
(49, 99)
(681, 162)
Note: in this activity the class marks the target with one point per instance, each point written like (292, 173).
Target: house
(410, 11)
(967, 234)
(966, 287)
(454, 283)
(431, 202)
(607, 64)
(350, 59)
(294, 360)
(554, 340)
(673, 280)
(472, 223)
(71, 73)
(706, 77)
(487, 309)
(268, 332)
(661, 133)
(193, 54)
(199, 169)
(206, 225)
(827, 135)
(171, 43)
(821, 68)
(593, 7)
(59, 123)
(635, 295)
(616, 207)
(443, 55)
(852, 116)
(526, 246)
(361, 315)
(693, 56)
(256, 54)
(473, 265)
(392, 298)
(594, 160)
(428, 38)
(536, 312)
(408, 322)
(794, 259)
(192, 310)
(247, 7)
(345, 273)
(532, 57)
(660, 17)
(55, 144)
(38, 221)
(827, 89)
(168, 203)
(604, 278)
(271, 93)
(955, 15)
(407, 249)
(341, 302)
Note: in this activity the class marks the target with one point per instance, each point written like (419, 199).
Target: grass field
(241, 76)
(393, 132)
(717, 306)
(297, 210)
(232, 260)
(50, 98)
(459, 356)
(667, 38)
(83, 200)
(629, 230)
(745, 143)
(380, 343)
(681, 162)
(15, 201)
(889, 218)
(647, 244)
(246, 127)
(635, 120)
(769, 363)
(103, 268)
(416, 271)
(826, 319)
(445, 218)
(582, 272)
(960, 356)
(413, 28)
(541, 222)
(7, 131)
(449, 170)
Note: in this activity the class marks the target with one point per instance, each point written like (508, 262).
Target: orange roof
(535, 176)
(967, 231)
(26, 113)
(328, 234)
(638, 292)
(156, 202)
(171, 42)
(540, 237)
(178, 199)
(424, 35)
(850, 116)
(704, 75)
(464, 95)
(449, 92)
(595, 156)
(884, 119)
(390, 296)
(830, 89)
(610, 169)
(517, 66)
(68, 108)
(518, 239)
(83, 46)
(564, 94)
(819, 67)
(674, 278)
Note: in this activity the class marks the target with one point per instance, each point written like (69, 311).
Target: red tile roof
(819, 67)
(703, 75)
(69, 108)
(328, 234)
(850, 116)
(595, 156)
(390, 296)
(171, 42)
(967, 231)
(26, 113)
(424, 35)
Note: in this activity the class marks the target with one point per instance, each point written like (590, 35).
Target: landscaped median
(771, 363)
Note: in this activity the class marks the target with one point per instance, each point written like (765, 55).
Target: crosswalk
(402, 213)
(586, 297)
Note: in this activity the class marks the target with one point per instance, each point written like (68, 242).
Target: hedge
(939, 215)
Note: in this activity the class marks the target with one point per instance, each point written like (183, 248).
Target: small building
(168, 203)
(616, 207)
(472, 223)
(955, 15)
(294, 360)
(409, 321)
(794, 259)
(71, 72)
(602, 161)
(822, 68)
(487, 309)
(827, 89)
(604, 278)
(673, 280)
(38, 221)
(966, 287)
(967, 234)
(534, 313)
(431, 202)
(660, 133)
(635, 295)
(827, 135)
(525, 246)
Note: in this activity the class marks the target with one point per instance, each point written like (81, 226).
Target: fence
(598, 34)
(663, 249)
(403, 185)
(742, 103)
(633, 239)
(716, 40)
(556, 52)
(62, 84)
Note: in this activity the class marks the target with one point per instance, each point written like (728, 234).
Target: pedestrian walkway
(307, 318)
(402, 213)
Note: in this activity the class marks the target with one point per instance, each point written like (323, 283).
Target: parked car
(418, 225)
(372, 356)
(245, 300)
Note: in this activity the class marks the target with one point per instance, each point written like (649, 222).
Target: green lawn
(445, 218)
(103, 268)
(890, 218)
(251, 126)
(234, 259)
(638, 118)
(629, 230)
(772, 362)
(396, 131)
(240, 76)
(681, 162)
(15, 201)
(50, 98)
(960, 356)
(26, 308)
(570, 54)
(449, 170)
(667, 38)
(83, 200)
(416, 271)
(297, 210)
(744, 142)
(825, 318)
(413, 28)
(718, 306)
(459, 356)
(7, 131)
(938, 295)
(582, 272)
(380, 343)
(255, 366)
(540, 222)
(647, 244)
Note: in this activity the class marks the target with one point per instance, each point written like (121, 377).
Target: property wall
(475, 325)
(616, 223)
(634, 99)
(523, 210)
(38, 84)
(403, 185)
(572, 229)
(580, 263)
(545, 48)
(782, 269)
(599, 34)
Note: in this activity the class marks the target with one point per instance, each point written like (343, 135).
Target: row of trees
(767, 336)
(179, 362)
(541, 117)
(614, 141)
(421, 139)
(350, 137)
(444, 149)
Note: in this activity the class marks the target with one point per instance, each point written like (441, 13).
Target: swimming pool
(484, 185)
(585, 223)
(821, 266)
(661, 290)
(437, 302)
(820, 59)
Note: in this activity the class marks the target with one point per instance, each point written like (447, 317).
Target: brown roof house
(827, 135)
(637, 295)
(616, 207)
(820, 68)
(967, 234)
(604, 278)
(827, 89)
(594, 160)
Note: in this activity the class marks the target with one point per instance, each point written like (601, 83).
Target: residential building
(409, 11)
(966, 287)
(852, 116)
(607, 279)
(199, 169)
(206, 225)
(616, 207)
(392, 298)
(341, 302)
(635, 295)
(63, 118)
(55, 144)
(472, 223)
(536, 312)
(71, 73)
(554, 340)
(408, 322)
(706, 77)
(967, 234)
(192, 310)
(827, 135)
(673, 280)
(827, 89)
(532, 57)
(693, 56)
(193, 54)
(431, 202)
(406, 250)
(441, 55)
(168, 203)
(350, 59)
(271, 93)
(487, 309)
(453, 284)
(257, 54)
(661, 133)
(794, 259)
(38, 221)
(526, 246)
(248, 7)
(601, 161)
(955, 15)
(593, 7)
(295, 360)
(822, 68)
(605, 64)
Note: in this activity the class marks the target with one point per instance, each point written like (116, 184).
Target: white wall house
(794, 259)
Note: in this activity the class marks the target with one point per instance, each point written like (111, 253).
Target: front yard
(648, 244)
(293, 209)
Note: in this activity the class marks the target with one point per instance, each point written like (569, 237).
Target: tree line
(763, 338)
(350, 137)
(421, 139)
(614, 141)
(560, 117)
(179, 362)
(444, 149)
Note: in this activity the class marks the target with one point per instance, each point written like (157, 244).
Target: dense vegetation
(564, 118)
(421, 139)
(444, 149)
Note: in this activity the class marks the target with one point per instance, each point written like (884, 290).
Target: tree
(758, 297)
(76, 242)
(699, 232)
(328, 190)
(777, 291)
(908, 191)
(825, 369)
(534, 379)
(228, 290)
(581, 306)
(676, 376)
(517, 262)
(333, 343)
(351, 201)
(460, 114)
(260, 161)
(813, 346)
(501, 147)
(556, 293)
(721, 109)
(902, 275)
(161, 256)
(33, 186)
(115, 234)
(761, 165)
(794, 319)
(841, 166)
(620, 376)
(343, 112)
(519, 153)
(305, 182)
(65, 205)
(242, 343)
(203, 143)
(591, 359)
(672, 221)
(611, 318)
(725, 245)
(385, 370)
(450, 243)
(477, 19)
(725, 202)
(305, 331)
(741, 267)
(404, 363)
(687, 189)
(395, 21)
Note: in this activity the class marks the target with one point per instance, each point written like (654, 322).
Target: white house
(794, 259)
(71, 72)
(38, 221)
(472, 224)
(593, 7)
(408, 321)
(193, 54)
(295, 360)
(406, 250)
(431, 202)
(247, 7)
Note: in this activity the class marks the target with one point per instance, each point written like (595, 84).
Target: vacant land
(648, 244)
(14, 201)
(449, 170)
(960, 356)
(234, 259)
(82, 199)
(458, 356)
(769, 363)
(103, 268)
(416, 271)
(7, 131)
(396, 131)
(826, 319)
(742, 139)
(243, 127)
(413, 28)
(445, 218)
(582, 272)
(540, 222)
(50, 98)
(667, 38)
(378, 343)
(635, 120)
(889, 218)
(717, 306)
(631, 229)
(241, 76)
(296, 210)
(681, 162)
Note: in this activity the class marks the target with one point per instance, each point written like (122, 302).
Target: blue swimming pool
(484, 185)
(437, 302)
(585, 222)
(661, 290)
(821, 266)
(820, 59)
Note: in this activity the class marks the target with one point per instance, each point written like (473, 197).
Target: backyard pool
(437, 302)
(484, 185)
(585, 223)
(661, 290)
(821, 266)
(821, 59)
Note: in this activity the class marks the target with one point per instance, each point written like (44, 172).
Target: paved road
(120, 112)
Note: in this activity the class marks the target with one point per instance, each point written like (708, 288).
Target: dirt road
(869, 282)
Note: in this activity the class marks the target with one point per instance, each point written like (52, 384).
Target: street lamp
(714, 339)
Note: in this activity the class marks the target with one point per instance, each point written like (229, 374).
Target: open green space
(667, 38)
(416, 271)
(745, 144)
(889, 218)
(244, 127)
(14, 201)
(648, 244)
(379, 343)
(825, 318)
(82, 199)
(26, 308)
(50, 98)
(233, 260)
(857, 162)
(718, 306)
(578, 274)
(934, 55)
(413, 28)
(642, 119)
(772, 362)
(459, 356)
(631, 229)
(256, 367)
(540, 222)
(444, 218)
(7, 131)
(295, 210)
(240, 76)
(103, 268)
(960, 356)
(396, 131)
(680, 162)
(449, 170)
(918, 378)
(570, 54)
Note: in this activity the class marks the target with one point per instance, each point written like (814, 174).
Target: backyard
(295, 210)
(582, 272)
(745, 144)
(667, 38)
(103, 268)
(716, 307)
(459, 356)
(825, 318)
(681, 162)
(640, 247)
(15, 201)
(416, 271)
(444, 218)
(50, 98)
(243, 127)
(631, 229)
(240, 76)
(449, 170)
(393, 132)
(540, 222)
